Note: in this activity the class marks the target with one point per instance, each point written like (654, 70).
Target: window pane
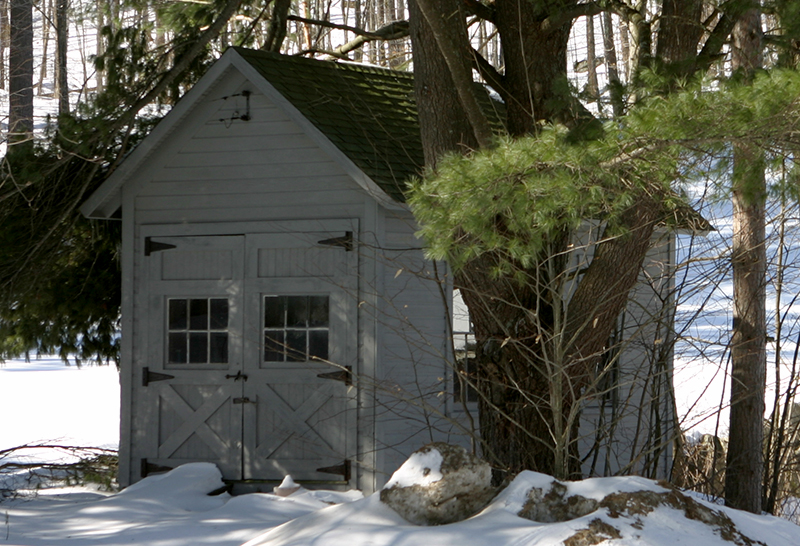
(273, 346)
(198, 315)
(297, 312)
(317, 311)
(198, 348)
(219, 348)
(296, 346)
(177, 314)
(219, 314)
(176, 352)
(273, 311)
(318, 344)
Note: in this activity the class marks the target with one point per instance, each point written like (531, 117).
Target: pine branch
(179, 67)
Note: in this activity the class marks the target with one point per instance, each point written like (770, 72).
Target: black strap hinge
(344, 375)
(344, 469)
(345, 242)
(148, 468)
(151, 246)
(149, 377)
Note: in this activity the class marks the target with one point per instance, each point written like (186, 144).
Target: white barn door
(300, 354)
(251, 353)
(189, 382)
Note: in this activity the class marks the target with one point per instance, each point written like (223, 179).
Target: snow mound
(629, 512)
(423, 467)
(186, 487)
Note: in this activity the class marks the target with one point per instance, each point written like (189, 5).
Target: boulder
(440, 483)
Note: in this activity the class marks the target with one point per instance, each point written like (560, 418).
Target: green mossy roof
(367, 112)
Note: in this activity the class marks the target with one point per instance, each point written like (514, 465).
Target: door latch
(243, 400)
(239, 375)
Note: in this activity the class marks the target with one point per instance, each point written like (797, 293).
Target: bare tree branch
(392, 31)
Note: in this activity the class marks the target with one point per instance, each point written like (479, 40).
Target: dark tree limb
(277, 26)
(479, 9)
(446, 29)
(489, 73)
(180, 65)
(712, 49)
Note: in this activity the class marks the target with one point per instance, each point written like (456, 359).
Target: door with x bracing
(251, 355)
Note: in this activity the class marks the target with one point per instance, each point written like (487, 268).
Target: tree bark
(535, 357)
(535, 64)
(444, 125)
(62, 33)
(446, 24)
(612, 67)
(4, 40)
(743, 479)
(591, 59)
(20, 66)
(276, 32)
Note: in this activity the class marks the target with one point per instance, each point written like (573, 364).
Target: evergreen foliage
(513, 198)
(59, 272)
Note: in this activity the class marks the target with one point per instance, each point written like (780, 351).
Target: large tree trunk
(444, 124)
(20, 67)
(536, 348)
(535, 357)
(535, 63)
(743, 480)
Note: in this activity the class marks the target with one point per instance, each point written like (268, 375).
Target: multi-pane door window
(296, 328)
(197, 330)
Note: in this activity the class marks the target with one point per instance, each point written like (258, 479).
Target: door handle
(239, 375)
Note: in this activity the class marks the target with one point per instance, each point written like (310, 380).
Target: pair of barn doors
(250, 354)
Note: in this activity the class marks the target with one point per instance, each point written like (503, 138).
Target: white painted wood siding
(633, 424)
(221, 168)
(413, 384)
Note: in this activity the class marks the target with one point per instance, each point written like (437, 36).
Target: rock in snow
(438, 484)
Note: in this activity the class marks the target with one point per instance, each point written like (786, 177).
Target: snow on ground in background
(174, 509)
(701, 396)
(46, 401)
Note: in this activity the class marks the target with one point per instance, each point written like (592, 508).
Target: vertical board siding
(414, 351)
(631, 426)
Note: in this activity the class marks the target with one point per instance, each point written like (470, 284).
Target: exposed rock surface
(438, 484)
(556, 505)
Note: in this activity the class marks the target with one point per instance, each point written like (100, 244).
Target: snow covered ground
(45, 401)
(175, 509)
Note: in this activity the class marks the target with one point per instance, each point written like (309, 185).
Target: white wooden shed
(278, 314)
